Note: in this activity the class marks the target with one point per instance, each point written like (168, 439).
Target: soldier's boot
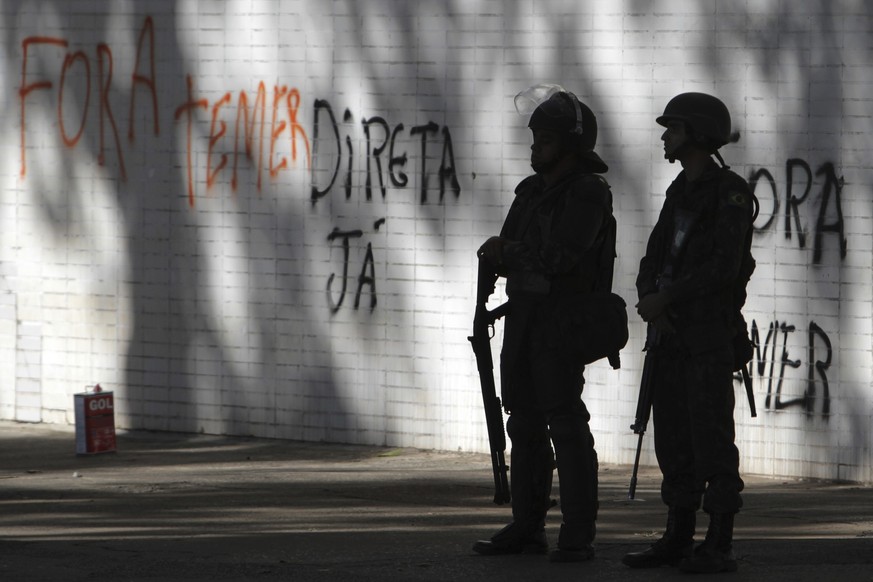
(515, 538)
(715, 554)
(530, 475)
(575, 543)
(675, 545)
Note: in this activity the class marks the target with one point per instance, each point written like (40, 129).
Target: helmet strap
(579, 129)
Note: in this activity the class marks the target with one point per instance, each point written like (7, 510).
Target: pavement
(178, 507)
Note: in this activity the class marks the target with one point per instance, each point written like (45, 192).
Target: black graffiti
(816, 368)
(838, 226)
(375, 153)
(820, 367)
(324, 147)
(832, 186)
(323, 106)
(367, 278)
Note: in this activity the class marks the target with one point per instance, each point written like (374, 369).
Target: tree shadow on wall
(180, 367)
(809, 59)
(181, 372)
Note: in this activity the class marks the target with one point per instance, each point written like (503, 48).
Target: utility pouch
(591, 326)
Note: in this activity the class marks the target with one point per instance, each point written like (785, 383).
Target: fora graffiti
(78, 61)
(829, 219)
(262, 128)
(775, 370)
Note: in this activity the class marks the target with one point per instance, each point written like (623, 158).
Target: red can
(95, 422)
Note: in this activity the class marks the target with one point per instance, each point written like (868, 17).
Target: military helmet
(563, 113)
(705, 115)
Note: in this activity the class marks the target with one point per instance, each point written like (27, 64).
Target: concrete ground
(171, 507)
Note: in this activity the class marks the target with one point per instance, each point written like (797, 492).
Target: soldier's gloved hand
(653, 309)
(492, 250)
(653, 306)
(663, 324)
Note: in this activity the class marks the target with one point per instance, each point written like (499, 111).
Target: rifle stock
(483, 324)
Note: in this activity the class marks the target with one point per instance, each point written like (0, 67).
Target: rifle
(483, 329)
(644, 403)
(750, 393)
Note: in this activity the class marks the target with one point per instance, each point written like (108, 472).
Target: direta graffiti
(395, 163)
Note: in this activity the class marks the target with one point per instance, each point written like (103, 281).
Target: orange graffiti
(293, 106)
(285, 102)
(292, 98)
(250, 124)
(104, 82)
(26, 89)
(243, 110)
(149, 81)
(275, 132)
(103, 52)
(213, 139)
(188, 107)
(68, 62)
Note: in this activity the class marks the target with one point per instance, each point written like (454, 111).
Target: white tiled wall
(154, 241)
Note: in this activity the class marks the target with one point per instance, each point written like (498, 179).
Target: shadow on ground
(170, 507)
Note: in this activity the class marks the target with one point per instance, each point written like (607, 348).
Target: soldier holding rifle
(554, 246)
(691, 287)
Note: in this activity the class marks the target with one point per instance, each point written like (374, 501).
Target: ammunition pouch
(590, 326)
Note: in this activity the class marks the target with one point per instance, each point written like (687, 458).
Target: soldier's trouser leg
(532, 463)
(694, 443)
(530, 475)
(576, 462)
(694, 432)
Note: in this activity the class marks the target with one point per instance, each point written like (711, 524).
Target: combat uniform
(556, 248)
(707, 224)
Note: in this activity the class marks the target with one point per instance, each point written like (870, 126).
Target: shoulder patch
(737, 198)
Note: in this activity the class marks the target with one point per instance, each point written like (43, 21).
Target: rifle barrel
(644, 405)
(632, 490)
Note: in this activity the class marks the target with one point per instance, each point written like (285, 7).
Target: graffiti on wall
(259, 132)
(79, 62)
(283, 120)
(266, 131)
(263, 129)
(829, 218)
(776, 370)
(367, 276)
(343, 151)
